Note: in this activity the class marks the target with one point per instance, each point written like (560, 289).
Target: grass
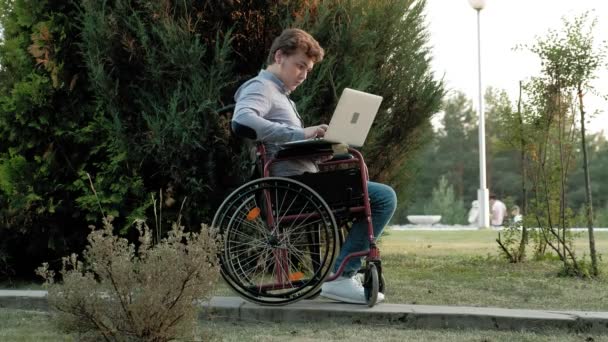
(465, 242)
(463, 268)
(31, 326)
(421, 267)
(22, 325)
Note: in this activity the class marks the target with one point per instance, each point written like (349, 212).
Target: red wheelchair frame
(259, 232)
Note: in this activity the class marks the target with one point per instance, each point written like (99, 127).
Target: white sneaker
(348, 290)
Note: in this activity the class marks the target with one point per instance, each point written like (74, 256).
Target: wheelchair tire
(371, 285)
(280, 240)
(314, 295)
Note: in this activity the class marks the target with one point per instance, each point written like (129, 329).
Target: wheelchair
(282, 235)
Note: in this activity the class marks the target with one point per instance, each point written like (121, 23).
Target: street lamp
(482, 193)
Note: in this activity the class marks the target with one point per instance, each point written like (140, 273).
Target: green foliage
(103, 103)
(568, 63)
(597, 152)
(121, 292)
(583, 269)
(569, 55)
(38, 116)
(457, 151)
(358, 37)
(509, 241)
(155, 85)
(381, 47)
(444, 202)
(451, 152)
(124, 91)
(602, 217)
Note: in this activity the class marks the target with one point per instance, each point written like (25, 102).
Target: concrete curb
(407, 316)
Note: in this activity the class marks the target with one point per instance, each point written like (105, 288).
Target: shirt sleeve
(253, 103)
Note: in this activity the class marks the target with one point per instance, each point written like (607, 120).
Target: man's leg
(346, 288)
(383, 201)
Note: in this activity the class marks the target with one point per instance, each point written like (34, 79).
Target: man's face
(293, 69)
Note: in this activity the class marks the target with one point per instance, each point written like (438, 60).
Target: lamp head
(477, 4)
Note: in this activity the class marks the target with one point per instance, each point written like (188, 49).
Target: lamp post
(482, 193)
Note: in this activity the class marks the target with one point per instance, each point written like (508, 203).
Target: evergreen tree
(457, 151)
(109, 106)
(445, 203)
(504, 164)
(452, 152)
(42, 105)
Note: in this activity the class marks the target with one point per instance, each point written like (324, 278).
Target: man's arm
(253, 102)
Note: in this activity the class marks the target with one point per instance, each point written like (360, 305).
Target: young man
(263, 105)
(498, 211)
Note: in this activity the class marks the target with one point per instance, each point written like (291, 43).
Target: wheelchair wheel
(280, 240)
(371, 285)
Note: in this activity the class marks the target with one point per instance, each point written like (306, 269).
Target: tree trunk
(592, 250)
(524, 204)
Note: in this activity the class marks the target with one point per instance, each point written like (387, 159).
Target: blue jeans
(383, 202)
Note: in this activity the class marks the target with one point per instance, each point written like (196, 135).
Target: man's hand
(315, 131)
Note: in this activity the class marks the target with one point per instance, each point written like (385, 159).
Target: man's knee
(383, 195)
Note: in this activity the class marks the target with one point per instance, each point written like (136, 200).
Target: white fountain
(426, 220)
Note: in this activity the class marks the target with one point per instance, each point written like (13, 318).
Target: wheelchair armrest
(243, 131)
(239, 130)
(302, 151)
(342, 156)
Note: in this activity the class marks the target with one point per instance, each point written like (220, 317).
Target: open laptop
(351, 121)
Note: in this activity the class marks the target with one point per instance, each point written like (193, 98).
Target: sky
(505, 24)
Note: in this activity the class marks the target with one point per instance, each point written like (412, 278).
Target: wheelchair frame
(249, 242)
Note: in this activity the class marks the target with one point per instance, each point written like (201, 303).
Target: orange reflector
(296, 276)
(253, 214)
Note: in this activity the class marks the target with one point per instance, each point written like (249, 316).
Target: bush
(122, 292)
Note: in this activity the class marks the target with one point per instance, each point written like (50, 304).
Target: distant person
(474, 212)
(498, 211)
(516, 215)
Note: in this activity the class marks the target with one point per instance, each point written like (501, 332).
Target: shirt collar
(265, 74)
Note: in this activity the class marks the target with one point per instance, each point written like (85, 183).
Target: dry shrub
(121, 292)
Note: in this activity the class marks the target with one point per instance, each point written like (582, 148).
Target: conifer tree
(107, 106)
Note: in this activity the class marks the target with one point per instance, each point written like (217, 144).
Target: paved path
(411, 316)
(443, 227)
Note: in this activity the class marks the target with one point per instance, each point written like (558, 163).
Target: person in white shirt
(498, 211)
(474, 212)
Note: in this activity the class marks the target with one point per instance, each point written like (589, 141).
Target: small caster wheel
(371, 285)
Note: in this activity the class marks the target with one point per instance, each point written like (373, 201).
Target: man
(499, 211)
(263, 105)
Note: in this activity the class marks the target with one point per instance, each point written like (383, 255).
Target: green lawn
(464, 268)
(464, 242)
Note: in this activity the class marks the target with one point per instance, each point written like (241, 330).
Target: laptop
(351, 121)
